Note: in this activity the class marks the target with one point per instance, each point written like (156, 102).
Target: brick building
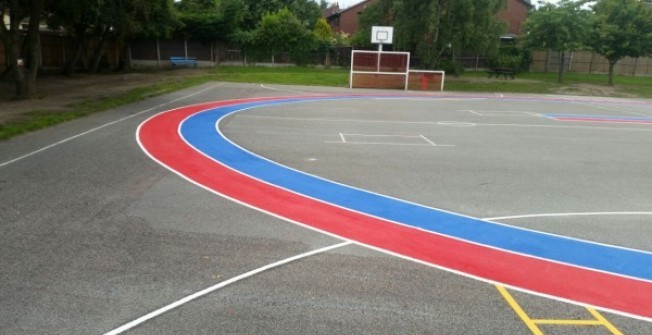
(346, 20)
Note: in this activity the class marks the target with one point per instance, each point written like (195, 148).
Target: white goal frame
(405, 73)
(442, 73)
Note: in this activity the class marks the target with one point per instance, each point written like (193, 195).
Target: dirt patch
(594, 90)
(56, 93)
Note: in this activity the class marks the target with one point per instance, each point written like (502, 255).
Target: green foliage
(306, 11)
(282, 31)
(323, 30)
(621, 28)
(210, 20)
(560, 27)
(441, 28)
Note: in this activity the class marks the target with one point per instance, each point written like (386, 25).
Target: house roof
(336, 10)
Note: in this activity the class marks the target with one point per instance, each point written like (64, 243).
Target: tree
(282, 31)
(560, 28)
(124, 20)
(325, 39)
(81, 19)
(12, 38)
(621, 28)
(441, 28)
(210, 21)
(306, 11)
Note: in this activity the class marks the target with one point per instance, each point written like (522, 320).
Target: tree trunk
(99, 51)
(33, 48)
(11, 38)
(612, 64)
(13, 56)
(562, 61)
(69, 67)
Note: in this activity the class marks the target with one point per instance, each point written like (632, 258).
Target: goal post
(420, 80)
(379, 69)
(391, 70)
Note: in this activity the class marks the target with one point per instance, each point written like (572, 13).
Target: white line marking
(428, 140)
(282, 90)
(343, 138)
(362, 244)
(565, 214)
(104, 126)
(434, 144)
(447, 123)
(617, 109)
(388, 143)
(382, 135)
(220, 285)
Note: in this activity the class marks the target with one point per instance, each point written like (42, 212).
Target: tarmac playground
(301, 210)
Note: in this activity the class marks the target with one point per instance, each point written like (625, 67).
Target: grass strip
(536, 83)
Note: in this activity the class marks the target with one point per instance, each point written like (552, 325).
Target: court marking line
(428, 140)
(533, 324)
(519, 311)
(526, 216)
(222, 284)
(388, 143)
(485, 112)
(370, 246)
(92, 130)
(309, 99)
(617, 109)
(604, 321)
(448, 123)
(400, 200)
(283, 90)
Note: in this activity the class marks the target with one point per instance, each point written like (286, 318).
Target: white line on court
(282, 89)
(343, 138)
(447, 123)
(104, 126)
(220, 285)
(428, 140)
(384, 143)
(511, 217)
(617, 109)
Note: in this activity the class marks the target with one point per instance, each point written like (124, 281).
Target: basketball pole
(380, 52)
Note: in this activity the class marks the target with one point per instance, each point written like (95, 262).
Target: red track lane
(159, 138)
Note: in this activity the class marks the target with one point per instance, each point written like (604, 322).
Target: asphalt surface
(94, 234)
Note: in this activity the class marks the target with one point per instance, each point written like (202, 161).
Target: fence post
(545, 69)
(158, 53)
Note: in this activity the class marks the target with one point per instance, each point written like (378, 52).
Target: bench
(187, 61)
(497, 71)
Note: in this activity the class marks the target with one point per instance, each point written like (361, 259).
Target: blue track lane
(200, 131)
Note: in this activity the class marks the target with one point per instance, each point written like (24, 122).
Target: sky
(348, 3)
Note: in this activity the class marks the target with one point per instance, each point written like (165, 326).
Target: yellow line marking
(569, 322)
(532, 323)
(519, 311)
(604, 321)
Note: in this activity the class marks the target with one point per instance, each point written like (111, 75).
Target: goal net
(419, 80)
(377, 69)
(391, 70)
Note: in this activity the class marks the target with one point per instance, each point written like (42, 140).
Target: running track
(188, 142)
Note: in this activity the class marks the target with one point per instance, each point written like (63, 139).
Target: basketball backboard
(382, 35)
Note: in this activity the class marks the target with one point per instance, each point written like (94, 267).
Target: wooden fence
(57, 48)
(589, 62)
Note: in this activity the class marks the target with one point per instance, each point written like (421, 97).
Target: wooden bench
(186, 61)
(501, 71)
